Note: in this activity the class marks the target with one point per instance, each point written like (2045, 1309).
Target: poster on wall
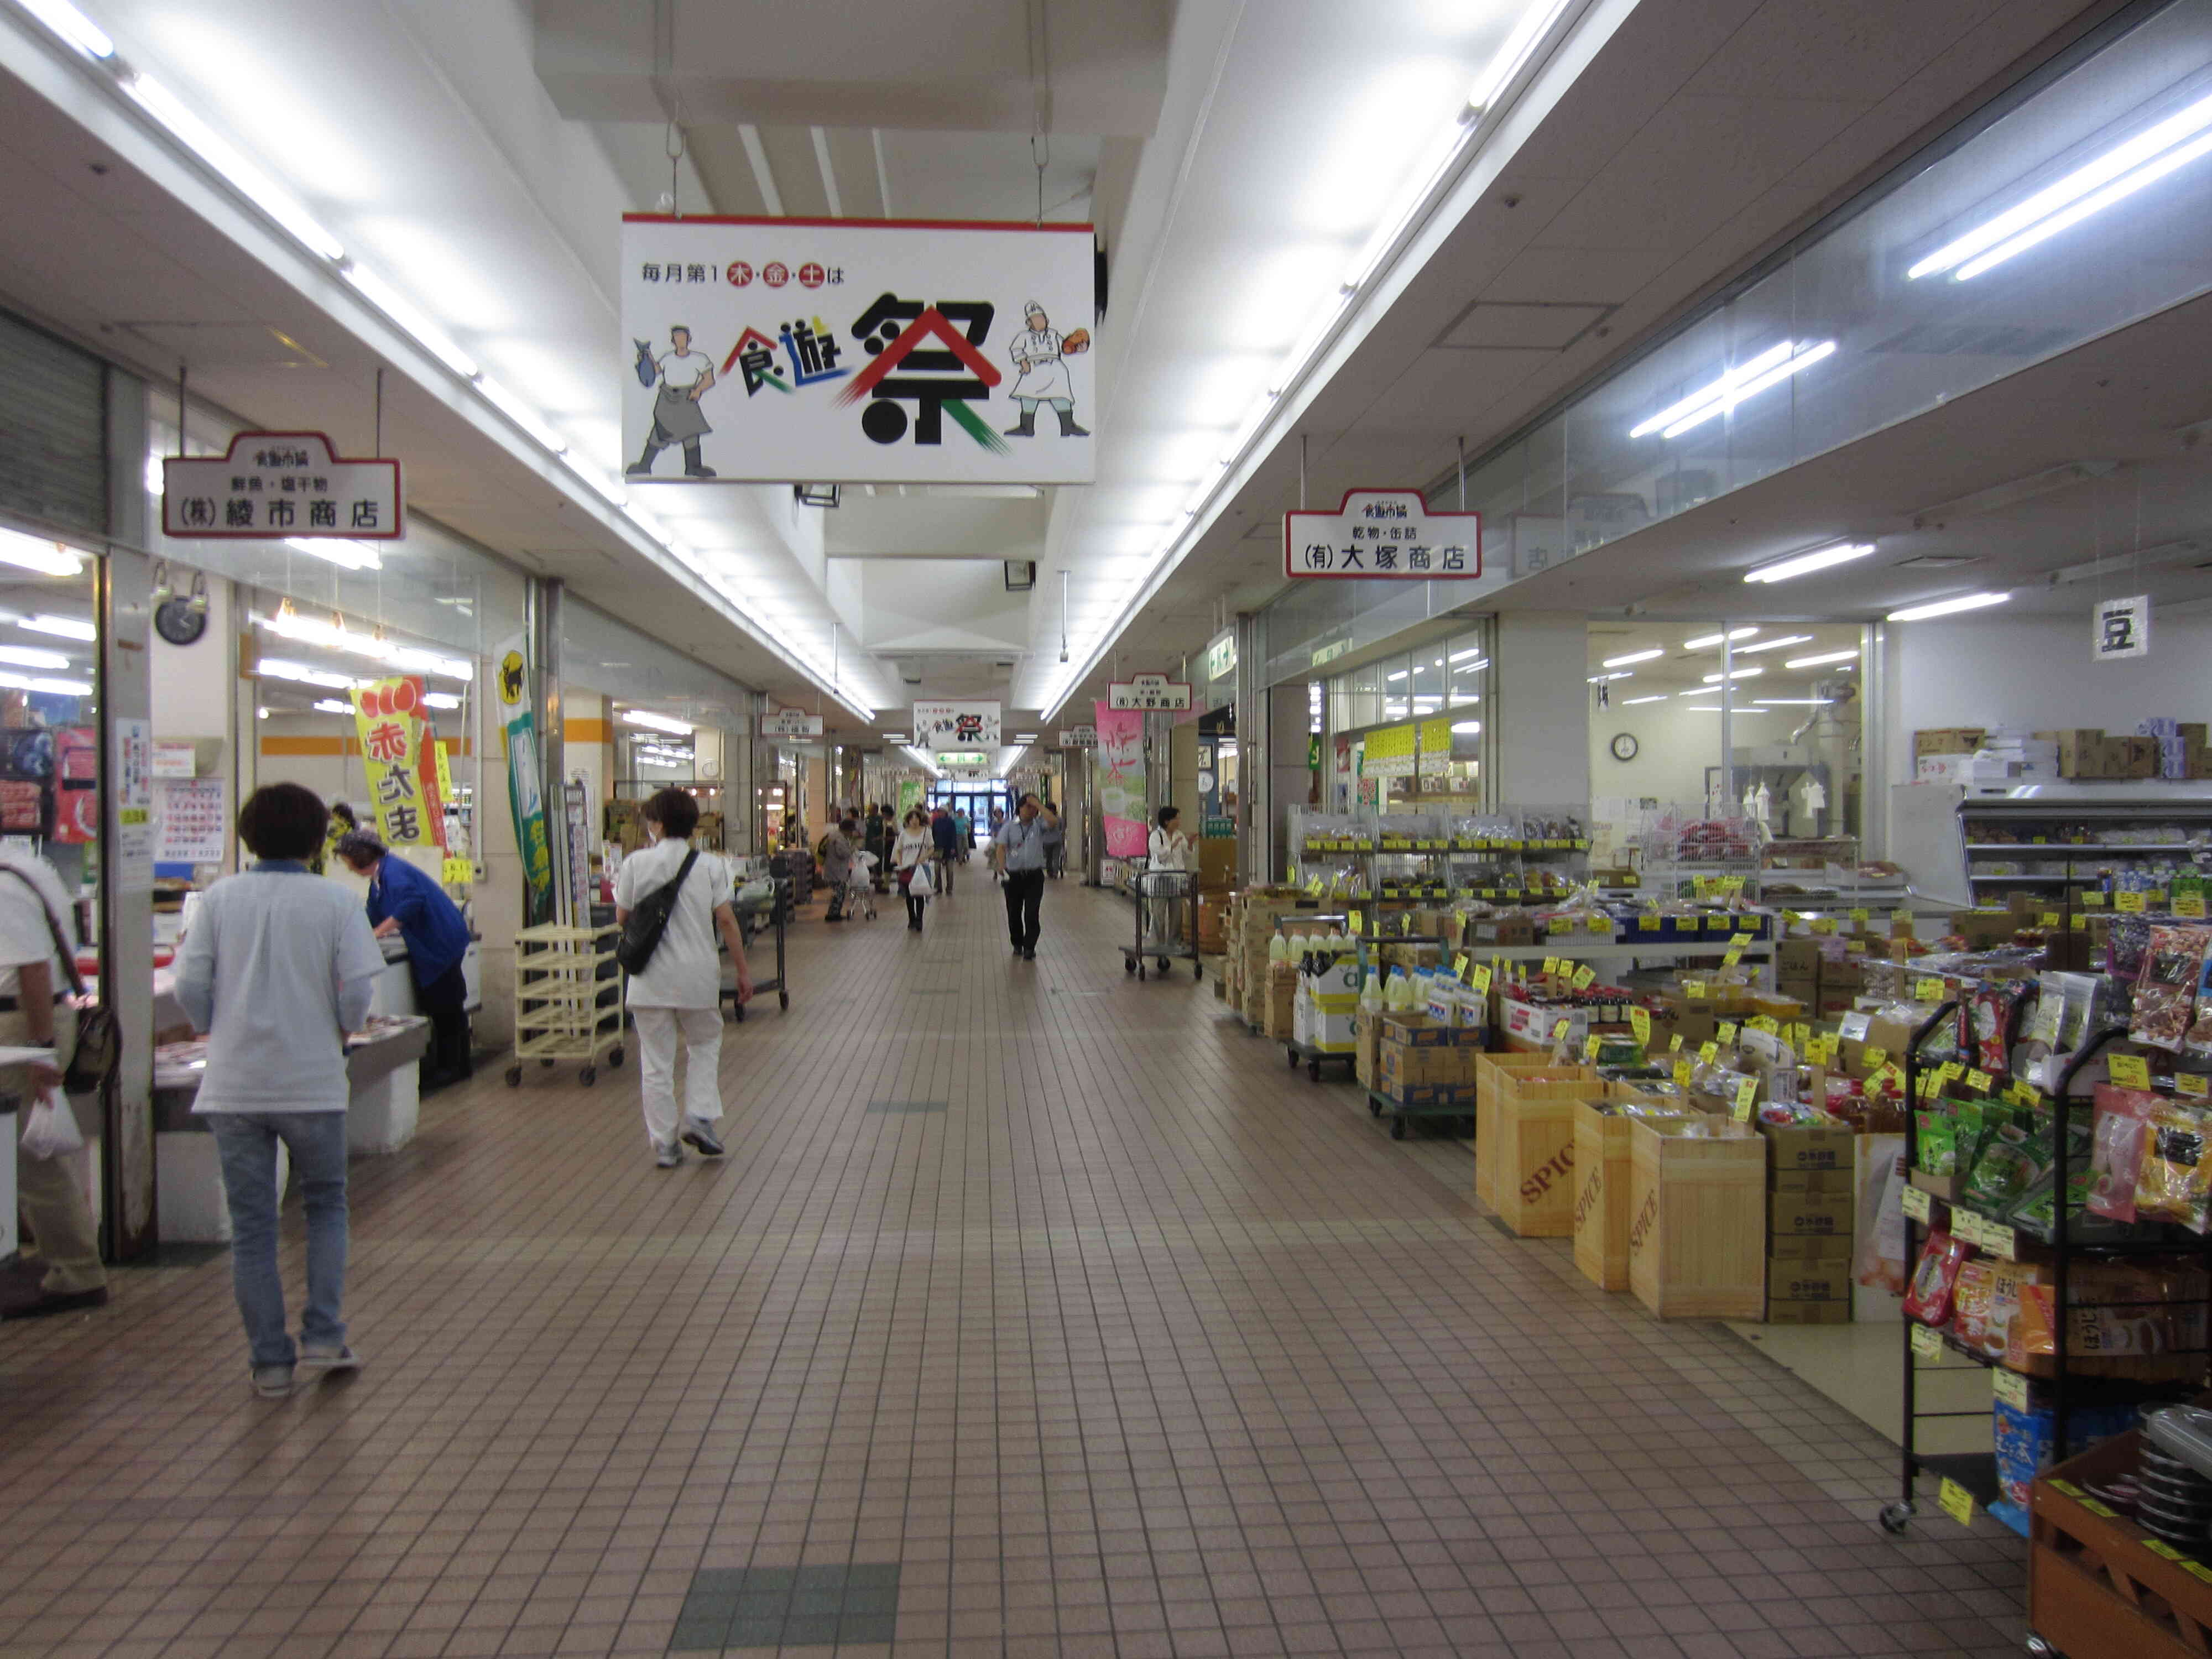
(134, 805)
(884, 351)
(193, 818)
(1121, 763)
(526, 789)
(909, 796)
(576, 816)
(957, 726)
(77, 786)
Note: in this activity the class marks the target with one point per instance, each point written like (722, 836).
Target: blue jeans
(245, 1142)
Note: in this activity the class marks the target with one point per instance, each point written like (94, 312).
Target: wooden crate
(1532, 1160)
(1494, 1078)
(1602, 1196)
(1697, 1241)
(2096, 1588)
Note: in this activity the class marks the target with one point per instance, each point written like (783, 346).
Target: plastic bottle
(1279, 949)
(1370, 993)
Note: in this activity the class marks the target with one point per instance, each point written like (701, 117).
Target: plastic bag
(923, 883)
(2116, 1164)
(51, 1131)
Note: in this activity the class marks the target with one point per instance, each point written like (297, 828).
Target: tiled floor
(1142, 1345)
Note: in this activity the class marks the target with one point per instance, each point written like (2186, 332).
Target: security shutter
(53, 449)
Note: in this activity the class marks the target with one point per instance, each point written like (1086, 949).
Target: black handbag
(648, 921)
(98, 1050)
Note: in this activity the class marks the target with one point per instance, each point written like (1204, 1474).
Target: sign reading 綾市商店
(1388, 533)
(857, 351)
(281, 485)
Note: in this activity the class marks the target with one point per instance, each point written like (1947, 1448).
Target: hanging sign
(1079, 737)
(898, 351)
(1121, 779)
(976, 758)
(957, 724)
(790, 723)
(2120, 628)
(1390, 533)
(1221, 654)
(281, 484)
(395, 751)
(1152, 693)
(526, 789)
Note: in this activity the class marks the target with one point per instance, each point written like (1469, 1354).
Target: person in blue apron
(1043, 377)
(685, 376)
(409, 902)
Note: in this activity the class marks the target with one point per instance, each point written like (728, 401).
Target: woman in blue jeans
(277, 968)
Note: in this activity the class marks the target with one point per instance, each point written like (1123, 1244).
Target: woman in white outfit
(1167, 848)
(678, 996)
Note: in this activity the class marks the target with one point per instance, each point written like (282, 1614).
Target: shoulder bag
(99, 1049)
(641, 934)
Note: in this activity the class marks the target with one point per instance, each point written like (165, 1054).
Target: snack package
(1988, 1017)
(1936, 1140)
(2197, 1044)
(2127, 945)
(2116, 1157)
(1969, 1300)
(1928, 1298)
(2008, 1282)
(2166, 990)
(2123, 1319)
(2174, 1183)
(2011, 1160)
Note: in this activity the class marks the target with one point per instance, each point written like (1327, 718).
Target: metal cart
(1162, 896)
(768, 916)
(569, 997)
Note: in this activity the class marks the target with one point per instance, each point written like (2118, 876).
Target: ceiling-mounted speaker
(822, 495)
(1021, 575)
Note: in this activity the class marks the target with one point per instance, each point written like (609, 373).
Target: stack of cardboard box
(2165, 748)
(1258, 910)
(1810, 1217)
(1328, 1002)
(1422, 1062)
(1827, 981)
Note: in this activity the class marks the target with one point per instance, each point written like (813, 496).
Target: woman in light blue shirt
(278, 966)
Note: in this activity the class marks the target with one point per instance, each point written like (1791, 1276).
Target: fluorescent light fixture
(1601, 679)
(646, 717)
(1707, 641)
(1400, 675)
(1715, 709)
(1947, 607)
(430, 662)
(346, 554)
(2112, 177)
(1633, 657)
(1461, 656)
(158, 101)
(280, 668)
(1822, 660)
(1793, 702)
(412, 322)
(261, 713)
(441, 700)
(1734, 674)
(72, 25)
(1774, 644)
(67, 627)
(522, 415)
(2174, 552)
(24, 657)
(56, 688)
(157, 477)
(1746, 380)
(32, 553)
(1804, 564)
(332, 706)
(1657, 696)
(1465, 728)
(1414, 192)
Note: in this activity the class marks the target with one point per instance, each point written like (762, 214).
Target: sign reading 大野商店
(790, 723)
(1153, 693)
(279, 485)
(857, 351)
(957, 724)
(1389, 533)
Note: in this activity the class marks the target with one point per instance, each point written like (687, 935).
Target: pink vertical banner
(1121, 779)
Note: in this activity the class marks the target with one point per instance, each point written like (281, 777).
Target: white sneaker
(669, 1157)
(329, 1361)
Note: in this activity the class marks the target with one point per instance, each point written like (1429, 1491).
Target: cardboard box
(1504, 931)
(1833, 1249)
(1947, 740)
(1981, 929)
(1817, 1280)
(1794, 1215)
(1416, 1031)
(1818, 1181)
(1366, 1042)
(1797, 957)
(1780, 1312)
(1804, 1147)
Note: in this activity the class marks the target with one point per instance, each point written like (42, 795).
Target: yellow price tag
(2094, 899)
(1861, 916)
(1590, 1046)
(2190, 904)
(1720, 924)
(1359, 923)
(1584, 978)
(1459, 966)
(1958, 1503)
(1917, 1203)
(1978, 1081)
(1901, 918)
(1675, 1043)
(1479, 977)
(1647, 924)
(1998, 1240)
(1694, 990)
(1927, 1344)
(1731, 957)
(1639, 1025)
(1681, 1074)
(2188, 1083)
(1875, 1056)
(1560, 1028)
(1552, 968)
(1746, 1095)
(1765, 1023)
(2128, 1071)
(2021, 1094)
(2010, 1386)
(2129, 904)
(2096, 1508)
(457, 872)
(1925, 989)
(1709, 1052)
(1739, 939)
(2081, 923)
(2194, 1569)
(2048, 919)
(1823, 925)
(2159, 1546)
(1726, 1032)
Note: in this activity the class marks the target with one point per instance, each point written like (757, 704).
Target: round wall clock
(1624, 747)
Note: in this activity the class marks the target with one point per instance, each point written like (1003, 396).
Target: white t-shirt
(1169, 850)
(684, 972)
(912, 847)
(24, 936)
(279, 966)
(682, 373)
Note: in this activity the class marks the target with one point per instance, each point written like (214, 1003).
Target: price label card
(1459, 967)
(1917, 1203)
(1639, 1025)
(1925, 989)
(2128, 1071)
(2159, 1546)
(1876, 1056)
(1726, 1033)
(1682, 1073)
(2156, 899)
(1823, 925)
(2094, 899)
(1359, 923)
(1815, 1051)
(1855, 947)
(1731, 957)
(1927, 1086)
(1584, 978)
(2188, 1083)
(1978, 1081)
(1647, 924)
(2129, 904)
(2081, 923)
(1720, 924)
(2022, 1094)
(1693, 988)
(1997, 1239)
(2194, 1569)
(1765, 1023)
(2050, 918)
(2098, 1509)
(1675, 1043)
(1709, 1052)
(1479, 977)
(1888, 1079)
(1560, 1028)
(1950, 1069)
(1740, 940)
(1553, 967)
(2188, 904)
(2010, 1387)
(1958, 1503)
(1590, 1046)
(1746, 1095)
(1927, 1344)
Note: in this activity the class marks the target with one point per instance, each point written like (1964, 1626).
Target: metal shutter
(53, 449)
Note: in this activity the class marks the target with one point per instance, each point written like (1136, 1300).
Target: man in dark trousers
(946, 840)
(1021, 851)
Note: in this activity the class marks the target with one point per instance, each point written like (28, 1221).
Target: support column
(1540, 697)
(1252, 792)
(1290, 781)
(552, 711)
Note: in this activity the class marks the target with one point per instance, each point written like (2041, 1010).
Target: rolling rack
(569, 997)
(1976, 1472)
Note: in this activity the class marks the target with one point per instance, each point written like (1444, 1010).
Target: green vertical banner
(525, 792)
(909, 796)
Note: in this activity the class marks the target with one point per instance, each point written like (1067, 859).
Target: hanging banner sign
(1121, 779)
(957, 724)
(526, 790)
(1079, 737)
(403, 779)
(2120, 628)
(1152, 693)
(790, 723)
(280, 484)
(841, 350)
(1221, 654)
(1390, 533)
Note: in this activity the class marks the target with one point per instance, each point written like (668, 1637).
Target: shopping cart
(1167, 911)
(860, 885)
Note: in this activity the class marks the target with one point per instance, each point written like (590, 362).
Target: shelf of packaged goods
(2059, 848)
(2025, 1238)
(2037, 880)
(1976, 1470)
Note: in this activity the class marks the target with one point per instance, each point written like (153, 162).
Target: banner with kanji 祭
(398, 752)
(844, 350)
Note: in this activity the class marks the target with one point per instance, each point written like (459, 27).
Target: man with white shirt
(685, 376)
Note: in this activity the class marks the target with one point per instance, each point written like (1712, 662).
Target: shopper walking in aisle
(406, 900)
(912, 849)
(277, 968)
(1020, 851)
(963, 833)
(36, 925)
(875, 837)
(942, 837)
(1167, 852)
(677, 994)
(837, 850)
(1055, 851)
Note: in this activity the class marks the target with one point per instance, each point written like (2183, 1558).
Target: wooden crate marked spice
(1533, 1141)
(1602, 1196)
(1697, 1243)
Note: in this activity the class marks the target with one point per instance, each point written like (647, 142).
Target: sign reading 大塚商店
(855, 351)
(278, 485)
(1389, 533)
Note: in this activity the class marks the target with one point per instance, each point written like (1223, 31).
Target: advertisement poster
(525, 791)
(134, 805)
(395, 751)
(576, 819)
(194, 817)
(77, 786)
(857, 351)
(1121, 781)
(909, 796)
(941, 726)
